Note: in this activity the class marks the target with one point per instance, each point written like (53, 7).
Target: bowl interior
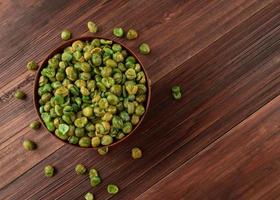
(59, 50)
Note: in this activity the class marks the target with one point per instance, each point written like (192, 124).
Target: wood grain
(225, 55)
(249, 170)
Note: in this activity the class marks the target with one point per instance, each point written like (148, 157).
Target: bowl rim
(59, 49)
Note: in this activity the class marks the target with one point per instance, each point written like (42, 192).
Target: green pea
(118, 57)
(130, 108)
(88, 111)
(93, 172)
(95, 141)
(106, 71)
(32, 65)
(106, 140)
(81, 122)
(35, 125)
(127, 127)
(136, 153)
(89, 196)
(130, 74)
(66, 57)
(120, 136)
(131, 34)
(112, 99)
(125, 116)
(135, 119)
(20, 94)
(117, 122)
(102, 150)
(116, 47)
(95, 180)
(73, 140)
(112, 189)
(29, 145)
(49, 171)
(111, 63)
(139, 110)
(118, 32)
(103, 103)
(50, 126)
(92, 27)
(96, 59)
(107, 117)
(79, 132)
(85, 142)
(80, 169)
(95, 42)
(65, 34)
(103, 41)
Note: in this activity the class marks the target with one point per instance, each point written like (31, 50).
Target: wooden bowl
(59, 50)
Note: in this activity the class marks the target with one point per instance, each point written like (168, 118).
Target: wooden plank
(216, 77)
(242, 164)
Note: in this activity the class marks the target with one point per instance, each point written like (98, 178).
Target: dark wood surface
(220, 141)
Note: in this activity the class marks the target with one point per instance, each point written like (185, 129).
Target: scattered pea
(131, 34)
(80, 169)
(20, 94)
(92, 27)
(95, 180)
(35, 124)
(118, 32)
(32, 65)
(176, 92)
(65, 34)
(89, 196)
(29, 145)
(103, 150)
(144, 48)
(112, 189)
(49, 171)
(136, 153)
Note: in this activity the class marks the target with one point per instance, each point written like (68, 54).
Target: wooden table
(220, 141)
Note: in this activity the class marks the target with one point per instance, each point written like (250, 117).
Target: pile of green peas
(93, 93)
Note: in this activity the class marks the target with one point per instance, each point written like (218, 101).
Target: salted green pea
(106, 140)
(50, 126)
(135, 119)
(66, 57)
(118, 32)
(88, 111)
(112, 109)
(80, 83)
(116, 47)
(96, 59)
(139, 110)
(92, 172)
(106, 71)
(73, 140)
(116, 89)
(81, 122)
(176, 89)
(91, 85)
(65, 34)
(103, 150)
(103, 41)
(99, 128)
(118, 57)
(125, 116)
(32, 65)
(103, 103)
(90, 127)
(89, 196)
(136, 153)
(127, 127)
(111, 63)
(29, 145)
(20, 94)
(120, 136)
(144, 48)
(79, 132)
(99, 112)
(49, 171)
(62, 91)
(130, 74)
(131, 34)
(131, 89)
(107, 117)
(78, 45)
(117, 122)
(80, 169)
(85, 67)
(84, 91)
(130, 107)
(112, 189)
(95, 180)
(95, 141)
(46, 97)
(112, 99)
(85, 142)
(92, 27)
(35, 124)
